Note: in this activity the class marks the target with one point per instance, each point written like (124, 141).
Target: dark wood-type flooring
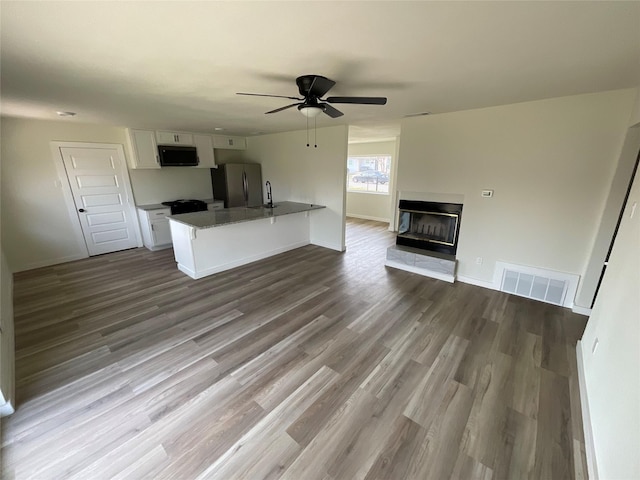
(309, 365)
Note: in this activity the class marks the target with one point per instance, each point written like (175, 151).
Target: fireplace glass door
(429, 226)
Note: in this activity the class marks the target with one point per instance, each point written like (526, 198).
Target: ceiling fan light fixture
(310, 111)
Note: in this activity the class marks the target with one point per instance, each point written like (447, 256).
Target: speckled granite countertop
(227, 216)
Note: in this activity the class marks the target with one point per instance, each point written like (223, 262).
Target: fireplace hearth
(429, 226)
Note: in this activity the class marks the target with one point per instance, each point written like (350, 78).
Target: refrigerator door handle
(245, 189)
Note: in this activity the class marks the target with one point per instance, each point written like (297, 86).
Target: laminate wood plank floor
(312, 364)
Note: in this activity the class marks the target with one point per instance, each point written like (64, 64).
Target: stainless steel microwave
(173, 156)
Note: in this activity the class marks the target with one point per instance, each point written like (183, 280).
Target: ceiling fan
(312, 88)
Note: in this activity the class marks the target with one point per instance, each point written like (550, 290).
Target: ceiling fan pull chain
(307, 131)
(315, 132)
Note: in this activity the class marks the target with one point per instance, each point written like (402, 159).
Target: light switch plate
(487, 193)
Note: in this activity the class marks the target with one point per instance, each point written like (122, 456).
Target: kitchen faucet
(269, 195)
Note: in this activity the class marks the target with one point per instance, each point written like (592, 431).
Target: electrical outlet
(479, 261)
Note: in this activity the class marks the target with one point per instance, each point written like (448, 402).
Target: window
(370, 173)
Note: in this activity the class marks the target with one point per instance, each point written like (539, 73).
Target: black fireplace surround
(431, 226)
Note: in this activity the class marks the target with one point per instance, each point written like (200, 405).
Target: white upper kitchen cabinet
(174, 138)
(204, 147)
(144, 149)
(229, 143)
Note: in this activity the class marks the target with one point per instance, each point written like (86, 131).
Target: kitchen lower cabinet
(161, 233)
(203, 252)
(156, 232)
(209, 242)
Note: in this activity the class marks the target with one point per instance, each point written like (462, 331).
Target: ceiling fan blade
(283, 108)
(359, 100)
(265, 95)
(332, 112)
(314, 85)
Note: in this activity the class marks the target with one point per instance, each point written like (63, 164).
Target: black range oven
(186, 206)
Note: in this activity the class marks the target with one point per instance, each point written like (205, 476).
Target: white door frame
(68, 195)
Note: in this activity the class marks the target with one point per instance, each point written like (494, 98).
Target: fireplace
(430, 226)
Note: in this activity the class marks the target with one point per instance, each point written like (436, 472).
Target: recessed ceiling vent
(547, 286)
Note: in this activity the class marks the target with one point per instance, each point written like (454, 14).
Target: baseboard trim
(48, 263)
(6, 409)
(581, 310)
(367, 217)
(158, 247)
(188, 271)
(592, 466)
(337, 248)
(477, 282)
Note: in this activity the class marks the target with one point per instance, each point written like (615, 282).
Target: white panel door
(96, 179)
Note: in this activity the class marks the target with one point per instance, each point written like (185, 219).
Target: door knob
(82, 210)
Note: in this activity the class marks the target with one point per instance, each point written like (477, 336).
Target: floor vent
(547, 286)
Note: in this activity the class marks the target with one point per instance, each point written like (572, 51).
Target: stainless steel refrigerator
(238, 184)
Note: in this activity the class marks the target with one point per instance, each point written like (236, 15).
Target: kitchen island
(209, 242)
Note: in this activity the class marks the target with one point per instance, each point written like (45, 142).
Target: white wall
(635, 115)
(37, 228)
(232, 156)
(613, 205)
(173, 183)
(611, 373)
(550, 163)
(7, 342)
(370, 205)
(310, 175)
(7, 347)
(612, 208)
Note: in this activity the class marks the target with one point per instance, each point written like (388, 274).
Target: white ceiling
(177, 65)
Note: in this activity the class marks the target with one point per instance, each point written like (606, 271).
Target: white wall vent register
(548, 286)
